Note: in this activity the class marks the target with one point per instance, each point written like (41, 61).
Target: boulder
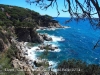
(18, 55)
(25, 53)
(56, 47)
(52, 48)
(40, 39)
(41, 46)
(49, 47)
(57, 25)
(39, 63)
(37, 49)
(45, 37)
(48, 39)
(15, 63)
(19, 50)
(28, 35)
(27, 70)
(29, 47)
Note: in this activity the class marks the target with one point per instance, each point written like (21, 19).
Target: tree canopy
(77, 67)
(21, 17)
(79, 9)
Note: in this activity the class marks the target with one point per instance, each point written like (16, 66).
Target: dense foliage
(20, 17)
(79, 9)
(77, 67)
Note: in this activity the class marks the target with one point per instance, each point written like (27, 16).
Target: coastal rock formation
(49, 47)
(19, 27)
(15, 63)
(28, 35)
(4, 43)
(54, 25)
(23, 66)
(45, 37)
(23, 34)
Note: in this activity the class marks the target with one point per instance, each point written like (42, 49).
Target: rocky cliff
(14, 55)
(16, 27)
(24, 22)
(28, 35)
(4, 40)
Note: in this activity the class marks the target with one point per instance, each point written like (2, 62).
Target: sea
(76, 41)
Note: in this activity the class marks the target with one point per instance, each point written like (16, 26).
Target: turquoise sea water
(78, 42)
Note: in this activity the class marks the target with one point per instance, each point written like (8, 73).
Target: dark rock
(1, 45)
(37, 49)
(25, 53)
(57, 25)
(53, 48)
(40, 39)
(45, 37)
(48, 39)
(29, 47)
(49, 47)
(56, 47)
(42, 46)
(28, 35)
(37, 64)
(15, 63)
(23, 34)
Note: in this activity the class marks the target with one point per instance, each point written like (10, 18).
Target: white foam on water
(54, 44)
(53, 28)
(56, 38)
(56, 50)
(38, 29)
(96, 58)
(32, 54)
(52, 64)
(67, 27)
(33, 50)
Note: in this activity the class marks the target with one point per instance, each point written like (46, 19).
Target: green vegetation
(45, 53)
(5, 62)
(29, 44)
(7, 52)
(3, 37)
(12, 51)
(77, 67)
(20, 17)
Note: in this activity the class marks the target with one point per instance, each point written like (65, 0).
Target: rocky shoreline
(51, 27)
(25, 62)
(23, 58)
(16, 29)
(22, 61)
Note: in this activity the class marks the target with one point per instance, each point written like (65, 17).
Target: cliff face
(28, 35)
(22, 27)
(25, 22)
(21, 17)
(12, 49)
(4, 41)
